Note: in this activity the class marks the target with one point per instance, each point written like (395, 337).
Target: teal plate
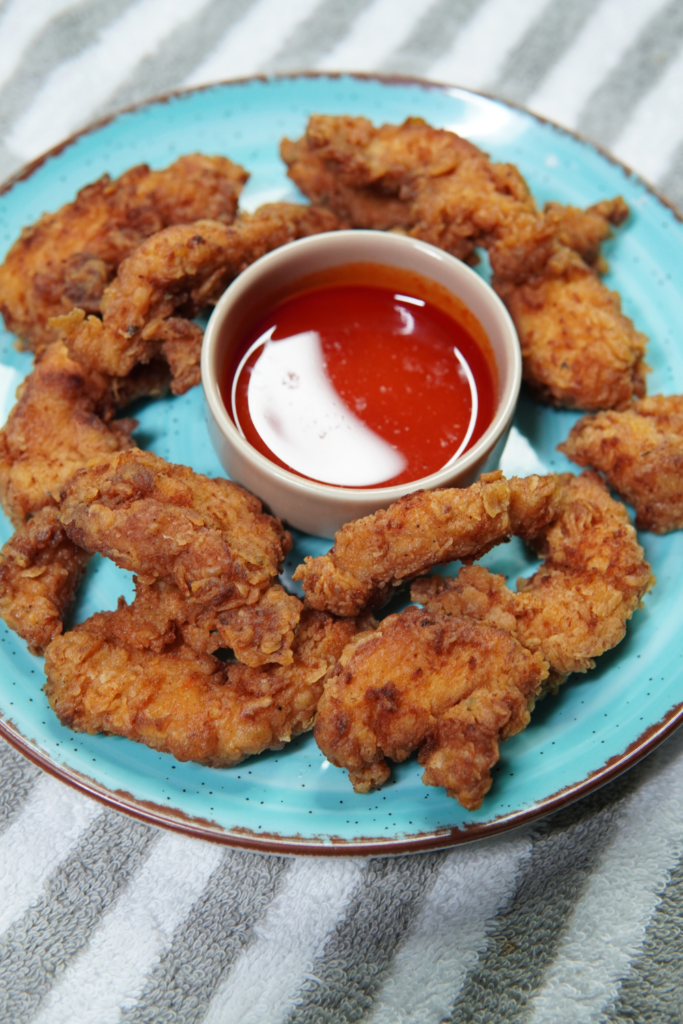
(294, 801)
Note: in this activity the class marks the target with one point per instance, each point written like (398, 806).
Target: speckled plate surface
(293, 800)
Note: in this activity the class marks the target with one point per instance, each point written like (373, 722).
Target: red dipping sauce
(370, 376)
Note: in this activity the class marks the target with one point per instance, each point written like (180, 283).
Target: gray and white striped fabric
(576, 919)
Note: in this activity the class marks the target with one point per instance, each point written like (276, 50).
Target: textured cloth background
(576, 919)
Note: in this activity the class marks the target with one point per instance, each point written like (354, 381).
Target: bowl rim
(339, 492)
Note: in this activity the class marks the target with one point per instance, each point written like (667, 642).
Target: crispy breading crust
(460, 675)
(190, 705)
(258, 634)
(640, 452)
(436, 186)
(179, 271)
(53, 430)
(408, 176)
(449, 686)
(40, 570)
(579, 351)
(584, 231)
(576, 606)
(261, 633)
(163, 521)
(373, 555)
(67, 258)
(63, 418)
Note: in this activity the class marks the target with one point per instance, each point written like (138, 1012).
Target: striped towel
(576, 918)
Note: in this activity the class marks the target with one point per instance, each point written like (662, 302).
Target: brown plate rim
(176, 821)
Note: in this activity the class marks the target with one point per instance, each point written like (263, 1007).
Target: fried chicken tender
(67, 258)
(40, 569)
(456, 677)
(163, 521)
(431, 183)
(169, 279)
(640, 452)
(63, 418)
(436, 186)
(447, 685)
(53, 430)
(579, 351)
(190, 705)
(258, 634)
(576, 606)
(584, 231)
(380, 552)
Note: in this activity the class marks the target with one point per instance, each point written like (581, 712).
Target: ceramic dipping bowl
(318, 508)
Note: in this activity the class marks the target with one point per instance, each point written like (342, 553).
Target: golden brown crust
(429, 182)
(188, 704)
(535, 502)
(53, 430)
(464, 745)
(438, 187)
(446, 685)
(474, 592)
(225, 551)
(584, 231)
(146, 310)
(579, 351)
(456, 677)
(640, 452)
(67, 258)
(160, 615)
(372, 556)
(163, 521)
(40, 570)
(576, 606)
(261, 633)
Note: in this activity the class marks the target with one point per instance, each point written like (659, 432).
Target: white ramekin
(316, 508)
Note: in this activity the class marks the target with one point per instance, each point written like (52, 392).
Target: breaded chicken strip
(430, 183)
(67, 258)
(436, 186)
(413, 178)
(40, 569)
(163, 521)
(579, 351)
(584, 231)
(63, 418)
(373, 555)
(449, 686)
(146, 310)
(640, 452)
(190, 705)
(208, 538)
(53, 430)
(576, 606)
(460, 675)
(258, 634)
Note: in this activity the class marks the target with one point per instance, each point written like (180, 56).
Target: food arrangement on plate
(136, 259)
(213, 660)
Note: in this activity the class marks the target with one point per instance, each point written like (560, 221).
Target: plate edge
(177, 821)
(26, 170)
